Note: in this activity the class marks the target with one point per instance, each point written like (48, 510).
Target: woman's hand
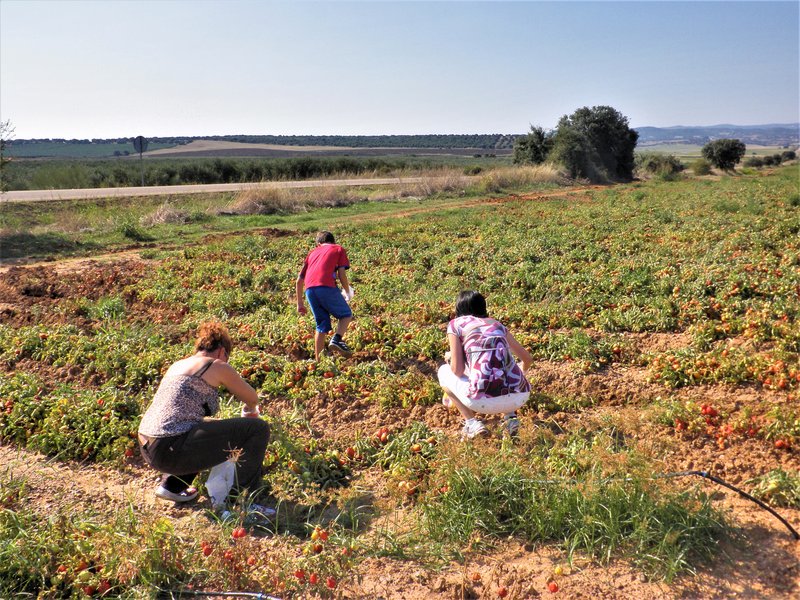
(251, 411)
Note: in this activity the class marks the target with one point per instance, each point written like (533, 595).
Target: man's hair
(325, 237)
(471, 303)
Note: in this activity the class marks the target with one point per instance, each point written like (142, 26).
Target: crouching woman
(179, 439)
(481, 374)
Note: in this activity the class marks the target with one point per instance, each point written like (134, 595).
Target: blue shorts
(326, 302)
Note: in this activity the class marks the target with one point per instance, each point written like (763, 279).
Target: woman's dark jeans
(208, 444)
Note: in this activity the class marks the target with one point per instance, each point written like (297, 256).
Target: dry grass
(282, 201)
(431, 183)
(511, 177)
(165, 213)
(439, 182)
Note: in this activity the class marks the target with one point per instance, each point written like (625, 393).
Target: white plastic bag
(220, 482)
(348, 294)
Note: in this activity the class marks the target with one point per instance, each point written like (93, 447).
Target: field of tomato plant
(664, 319)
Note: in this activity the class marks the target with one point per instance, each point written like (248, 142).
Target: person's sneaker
(511, 422)
(261, 511)
(473, 428)
(339, 346)
(186, 495)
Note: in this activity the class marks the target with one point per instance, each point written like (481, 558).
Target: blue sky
(114, 68)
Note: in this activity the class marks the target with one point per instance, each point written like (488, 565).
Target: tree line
(482, 141)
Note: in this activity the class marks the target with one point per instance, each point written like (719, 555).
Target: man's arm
(342, 272)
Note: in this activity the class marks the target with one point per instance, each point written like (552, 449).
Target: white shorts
(488, 406)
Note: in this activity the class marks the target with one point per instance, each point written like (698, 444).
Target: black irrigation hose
(742, 493)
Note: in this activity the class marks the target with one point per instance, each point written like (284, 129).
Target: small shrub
(754, 161)
(130, 230)
(660, 165)
(788, 155)
(701, 167)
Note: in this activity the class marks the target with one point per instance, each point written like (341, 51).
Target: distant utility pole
(140, 145)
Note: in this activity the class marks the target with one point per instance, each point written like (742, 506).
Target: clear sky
(116, 68)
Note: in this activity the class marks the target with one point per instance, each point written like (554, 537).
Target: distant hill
(761, 135)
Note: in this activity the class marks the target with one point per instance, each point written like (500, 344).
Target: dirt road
(164, 190)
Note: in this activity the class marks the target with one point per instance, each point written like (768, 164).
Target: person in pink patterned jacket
(481, 374)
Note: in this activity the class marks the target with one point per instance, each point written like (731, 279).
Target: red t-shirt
(319, 268)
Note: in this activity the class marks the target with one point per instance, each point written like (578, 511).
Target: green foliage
(596, 143)
(724, 153)
(778, 488)
(68, 555)
(533, 148)
(99, 173)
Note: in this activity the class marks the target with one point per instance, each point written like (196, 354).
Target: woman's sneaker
(339, 346)
(186, 495)
(259, 511)
(473, 428)
(511, 422)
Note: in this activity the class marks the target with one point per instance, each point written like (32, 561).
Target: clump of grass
(130, 230)
(165, 214)
(267, 201)
(438, 182)
(582, 492)
(518, 177)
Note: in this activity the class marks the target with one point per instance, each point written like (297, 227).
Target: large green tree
(596, 143)
(725, 153)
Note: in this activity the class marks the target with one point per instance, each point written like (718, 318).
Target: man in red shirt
(318, 276)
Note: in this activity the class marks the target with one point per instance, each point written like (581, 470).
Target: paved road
(165, 190)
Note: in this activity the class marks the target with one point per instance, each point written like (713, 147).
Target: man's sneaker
(511, 422)
(473, 428)
(339, 346)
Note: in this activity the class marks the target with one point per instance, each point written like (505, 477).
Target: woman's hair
(325, 237)
(471, 303)
(212, 335)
